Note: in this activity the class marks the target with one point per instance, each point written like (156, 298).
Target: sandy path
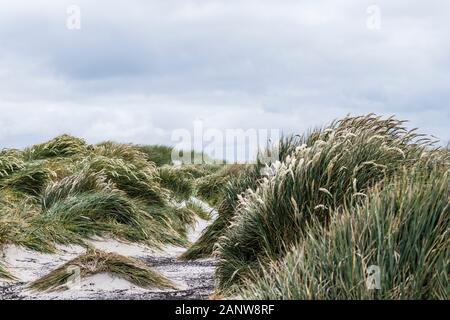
(194, 279)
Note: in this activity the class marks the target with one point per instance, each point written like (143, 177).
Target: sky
(136, 70)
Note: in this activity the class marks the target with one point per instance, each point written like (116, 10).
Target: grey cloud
(139, 69)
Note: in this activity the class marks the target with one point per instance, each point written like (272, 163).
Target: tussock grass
(332, 169)
(96, 261)
(245, 177)
(158, 154)
(31, 179)
(401, 226)
(137, 180)
(62, 146)
(198, 210)
(4, 274)
(211, 188)
(65, 191)
(10, 161)
(180, 182)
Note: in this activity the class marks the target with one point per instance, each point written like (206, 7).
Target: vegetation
(4, 274)
(331, 198)
(360, 192)
(229, 189)
(400, 227)
(162, 155)
(158, 154)
(95, 261)
(66, 191)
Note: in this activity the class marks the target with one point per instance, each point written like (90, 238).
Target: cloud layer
(137, 70)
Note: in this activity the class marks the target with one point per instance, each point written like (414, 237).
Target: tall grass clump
(211, 188)
(158, 154)
(96, 261)
(10, 161)
(4, 274)
(335, 166)
(232, 187)
(135, 179)
(65, 191)
(180, 182)
(31, 179)
(224, 187)
(401, 227)
(62, 146)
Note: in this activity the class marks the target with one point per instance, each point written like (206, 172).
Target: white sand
(27, 265)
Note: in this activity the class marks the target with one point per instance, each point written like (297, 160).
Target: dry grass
(94, 262)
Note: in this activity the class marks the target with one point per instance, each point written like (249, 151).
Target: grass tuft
(332, 169)
(96, 261)
(401, 227)
(62, 146)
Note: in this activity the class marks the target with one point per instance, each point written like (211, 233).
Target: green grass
(401, 226)
(198, 210)
(10, 161)
(94, 262)
(4, 274)
(30, 179)
(211, 188)
(162, 155)
(333, 169)
(232, 187)
(65, 191)
(62, 146)
(158, 154)
(180, 182)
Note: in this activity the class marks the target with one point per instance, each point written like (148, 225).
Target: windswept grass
(10, 161)
(31, 179)
(65, 191)
(333, 169)
(62, 146)
(223, 189)
(94, 262)
(4, 274)
(199, 210)
(211, 188)
(244, 177)
(401, 227)
(138, 181)
(180, 182)
(158, 154)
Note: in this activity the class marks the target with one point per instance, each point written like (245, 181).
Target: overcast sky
(137, 70)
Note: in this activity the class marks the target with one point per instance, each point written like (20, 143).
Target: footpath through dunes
(193, 279)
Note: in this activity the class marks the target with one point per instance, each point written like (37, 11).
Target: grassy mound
(180, 182)
(62, 146)
(158, 154)
(10, 161)
(330, 171)
(401, 227)
(223, 189)
(95, 261)
(65, 191)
